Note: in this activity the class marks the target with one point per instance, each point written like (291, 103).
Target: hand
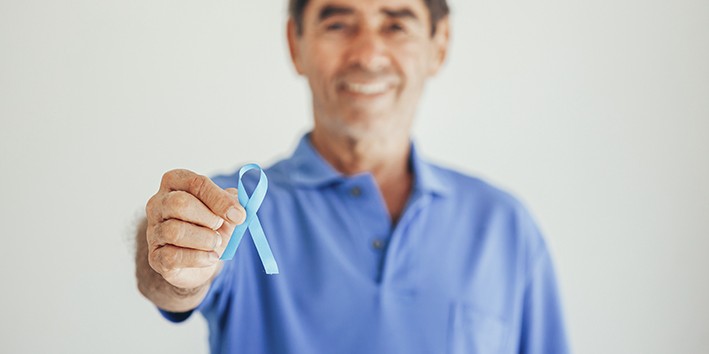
(190, 221)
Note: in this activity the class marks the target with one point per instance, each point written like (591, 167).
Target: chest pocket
(475, 332)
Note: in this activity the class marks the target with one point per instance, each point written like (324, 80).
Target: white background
(594, 113)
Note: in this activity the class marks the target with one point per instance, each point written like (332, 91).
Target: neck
(387, 159)
(351, 155)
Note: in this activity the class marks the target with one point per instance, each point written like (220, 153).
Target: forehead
(366, 7)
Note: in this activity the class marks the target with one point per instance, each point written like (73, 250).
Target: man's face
(366, 62)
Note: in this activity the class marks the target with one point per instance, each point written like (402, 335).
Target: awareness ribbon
(251, 204)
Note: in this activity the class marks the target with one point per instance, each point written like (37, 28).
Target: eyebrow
(400, 13)
(335, 10)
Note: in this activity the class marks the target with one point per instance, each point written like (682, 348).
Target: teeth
(367, 89)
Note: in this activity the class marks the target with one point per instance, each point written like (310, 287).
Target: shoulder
(493, 210)
(473, 189)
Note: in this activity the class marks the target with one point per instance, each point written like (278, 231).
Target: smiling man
(380, 251)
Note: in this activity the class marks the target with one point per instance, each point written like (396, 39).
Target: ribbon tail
(262, 247)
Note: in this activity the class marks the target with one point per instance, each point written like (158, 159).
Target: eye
(395, 28)
(336, 26)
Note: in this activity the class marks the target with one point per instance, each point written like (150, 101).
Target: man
(379, 251)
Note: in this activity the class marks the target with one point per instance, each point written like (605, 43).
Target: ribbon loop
(251, 204)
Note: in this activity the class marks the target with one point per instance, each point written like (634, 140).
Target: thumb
(233, 191)
(235, 214)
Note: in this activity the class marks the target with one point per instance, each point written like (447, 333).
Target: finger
(186, 207)
(225, 233)
(183, 234)
(228, 228)
(221, 202)
(233, 192)
(169, 258)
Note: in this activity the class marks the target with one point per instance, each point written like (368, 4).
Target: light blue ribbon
(251, 204)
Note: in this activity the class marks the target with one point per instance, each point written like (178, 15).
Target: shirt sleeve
(175, 317)
(543, 330)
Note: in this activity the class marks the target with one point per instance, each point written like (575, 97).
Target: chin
(361, 126)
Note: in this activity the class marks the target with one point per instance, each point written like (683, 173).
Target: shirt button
(378, 244)
(355, 192)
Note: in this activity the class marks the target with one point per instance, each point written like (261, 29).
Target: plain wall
(594, 113)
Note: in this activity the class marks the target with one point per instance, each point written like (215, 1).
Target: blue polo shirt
(464, 270)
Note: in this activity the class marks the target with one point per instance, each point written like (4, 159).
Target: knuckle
(155, 262)
(180, 200)
(166, 178)
(171, 231)
(176, 202)
(171, 258)
(169, 176)
(152, 234)
(151, 206)
(198, 183)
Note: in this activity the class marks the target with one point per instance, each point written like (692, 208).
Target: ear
(293, 38)
(439, 45)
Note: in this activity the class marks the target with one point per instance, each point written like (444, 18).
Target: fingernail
(234, 215)
(218, 241)
(219, 224)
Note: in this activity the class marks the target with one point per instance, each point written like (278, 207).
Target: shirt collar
(309, 169)
(427, 178)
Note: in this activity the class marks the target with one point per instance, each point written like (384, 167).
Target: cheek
(414, 62)
(321, 67)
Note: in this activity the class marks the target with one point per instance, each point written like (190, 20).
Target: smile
(367, 89)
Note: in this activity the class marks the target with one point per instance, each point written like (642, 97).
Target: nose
(369, 51)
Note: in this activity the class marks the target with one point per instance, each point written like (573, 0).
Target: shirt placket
(401, 267)
(366, 206)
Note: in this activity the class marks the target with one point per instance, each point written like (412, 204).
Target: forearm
(156, 289)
